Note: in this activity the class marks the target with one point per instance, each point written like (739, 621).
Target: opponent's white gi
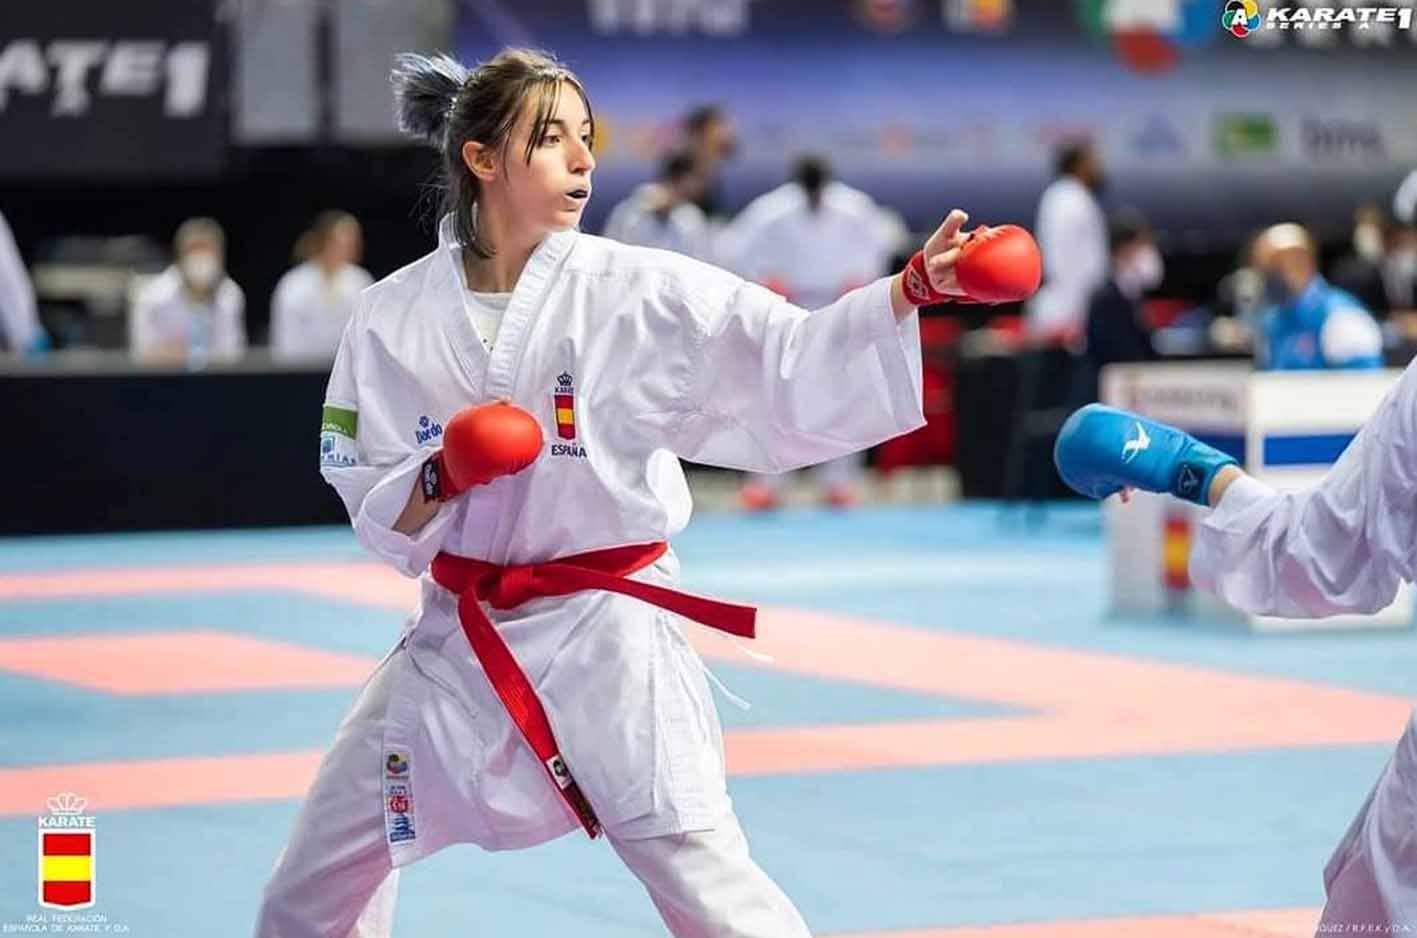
(165, 319)
(663, 357)
(310, 309)
(815, 257)
(1344, 545)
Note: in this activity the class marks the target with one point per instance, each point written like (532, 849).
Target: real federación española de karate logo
(564, 401)
(66, 854)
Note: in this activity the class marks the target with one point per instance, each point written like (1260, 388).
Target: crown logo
(67, 803)
(564, 379)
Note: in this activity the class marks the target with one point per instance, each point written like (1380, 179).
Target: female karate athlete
(544, 683)
(1343, 545)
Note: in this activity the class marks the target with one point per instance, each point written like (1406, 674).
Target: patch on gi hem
(398, 797)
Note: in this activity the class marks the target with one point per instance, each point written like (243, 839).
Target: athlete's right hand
(481, 443)
(1102, 450)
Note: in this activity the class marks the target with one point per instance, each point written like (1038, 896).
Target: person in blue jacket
(1308, 322)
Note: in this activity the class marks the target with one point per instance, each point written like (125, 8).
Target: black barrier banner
(117, 90)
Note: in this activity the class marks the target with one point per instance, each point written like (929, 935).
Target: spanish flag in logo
(66, 869)
(565, 398)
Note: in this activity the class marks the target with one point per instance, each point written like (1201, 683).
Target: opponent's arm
(1341, 546)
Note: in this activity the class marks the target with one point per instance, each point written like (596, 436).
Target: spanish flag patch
(565, 401)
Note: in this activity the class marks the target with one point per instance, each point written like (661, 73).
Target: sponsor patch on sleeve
(337, 434)
(398, 797)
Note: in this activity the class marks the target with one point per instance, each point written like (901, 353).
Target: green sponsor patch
(339, 420)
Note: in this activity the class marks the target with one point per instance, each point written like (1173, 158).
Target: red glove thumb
(482, 443)
(999, 265)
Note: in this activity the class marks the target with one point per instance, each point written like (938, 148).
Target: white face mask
(1143, 271)
(1368, 242)
(1404, 259)
(201, 269)
(1150, 268)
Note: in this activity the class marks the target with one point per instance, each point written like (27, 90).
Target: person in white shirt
(663, 214)
(1404, 201)
(20, 331)
(192, 311)
(314, 300)
(811, 240)
(1072, 236)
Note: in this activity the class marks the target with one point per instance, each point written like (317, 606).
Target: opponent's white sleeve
(373, 477)
(1341, 546)
(767, 386)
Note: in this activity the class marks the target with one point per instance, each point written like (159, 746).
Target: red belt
(510, 586)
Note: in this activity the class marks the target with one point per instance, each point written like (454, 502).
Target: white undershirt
(487, 312)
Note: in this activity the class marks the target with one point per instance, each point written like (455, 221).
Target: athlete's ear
(480, 159)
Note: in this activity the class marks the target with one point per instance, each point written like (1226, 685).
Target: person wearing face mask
(1360, 272)
(1307, 322)
(1399, 269)
(1115, 329)
(1072, 236)
(313, 301)
(192, 311)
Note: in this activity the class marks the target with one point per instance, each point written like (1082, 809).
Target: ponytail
(445, 105)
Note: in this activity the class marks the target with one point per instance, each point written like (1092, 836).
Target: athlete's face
(552, 189)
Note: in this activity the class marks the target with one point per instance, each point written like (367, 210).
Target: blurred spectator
(1307, 322)
(315, 299)
(812, 239)
(1404, 202)
(1072, 236)
(1400, 268)
(663, 214)
(1116, 331)
(710, 137)
(20, 331)
(1360, 272)
(191, 311)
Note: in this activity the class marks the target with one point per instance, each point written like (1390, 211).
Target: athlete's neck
(512, 245)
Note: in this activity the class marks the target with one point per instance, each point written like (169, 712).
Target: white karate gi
(164, 317)
(684, 228)
(1342, 546)
(815, 256)
(309, 310)
(665, 357)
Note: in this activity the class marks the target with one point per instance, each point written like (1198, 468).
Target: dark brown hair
(313, 241)
(446, 105)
